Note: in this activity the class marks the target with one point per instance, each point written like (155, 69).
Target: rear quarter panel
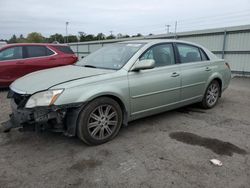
(220, 71)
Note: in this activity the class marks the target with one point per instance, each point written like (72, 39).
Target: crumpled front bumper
(64, 118)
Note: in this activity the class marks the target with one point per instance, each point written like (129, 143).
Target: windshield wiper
(90, 66)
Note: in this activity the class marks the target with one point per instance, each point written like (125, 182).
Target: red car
(17, 60)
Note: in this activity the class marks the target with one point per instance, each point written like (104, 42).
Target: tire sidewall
(82, 123)
(204, 101)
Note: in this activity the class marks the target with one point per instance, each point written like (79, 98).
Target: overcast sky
(120, 16)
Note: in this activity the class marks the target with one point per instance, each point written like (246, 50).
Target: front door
(11, 62)
(157, 89)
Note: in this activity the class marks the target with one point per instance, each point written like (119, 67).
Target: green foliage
(71, 38)
(111, 37)
(138, 35)
(35, 37)
(13, 39)
(21, 39)
(100, 36)
(56, 37)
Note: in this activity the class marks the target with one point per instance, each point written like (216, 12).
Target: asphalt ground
(171, 149)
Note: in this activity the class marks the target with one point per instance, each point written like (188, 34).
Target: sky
(119, 16)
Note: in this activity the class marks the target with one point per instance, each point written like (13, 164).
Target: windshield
(114, 56)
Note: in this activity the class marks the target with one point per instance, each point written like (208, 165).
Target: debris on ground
(216, 162)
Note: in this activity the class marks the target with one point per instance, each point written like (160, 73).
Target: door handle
(175, 74)
(208, 69)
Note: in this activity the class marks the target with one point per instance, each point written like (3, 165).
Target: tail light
(75, 57)
(227, 64)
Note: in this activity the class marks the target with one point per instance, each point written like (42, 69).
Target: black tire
(210, 98)
(94, 121)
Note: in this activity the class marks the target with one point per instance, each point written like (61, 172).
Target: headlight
(45, 98)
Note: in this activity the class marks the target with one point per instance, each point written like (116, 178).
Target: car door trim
(166, 105)
(195, 84)
(155, 92)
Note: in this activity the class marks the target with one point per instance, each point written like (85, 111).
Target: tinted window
(49, 52)
(11, 53)
(64, 49)
(36, 51)
(162, 54)
(188, 53)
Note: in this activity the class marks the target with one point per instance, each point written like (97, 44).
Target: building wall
(231, 44)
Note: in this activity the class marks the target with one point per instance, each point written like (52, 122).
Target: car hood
(45, 79)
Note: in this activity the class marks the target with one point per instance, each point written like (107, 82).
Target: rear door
(195, 70)
(11, 61)
(38, 57)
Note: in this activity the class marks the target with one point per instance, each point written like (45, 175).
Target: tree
(138, 35)
(100, 36)
(82, 36)
(56, 37)
(119, 36)
(89, 37)
(35, 37)
(72, 38)
(21, 39)
(125, 36)
(110, 37)
(13, 39)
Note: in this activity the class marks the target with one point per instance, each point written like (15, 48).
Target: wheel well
(124, 110)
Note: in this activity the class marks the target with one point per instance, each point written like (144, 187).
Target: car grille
(20, 99)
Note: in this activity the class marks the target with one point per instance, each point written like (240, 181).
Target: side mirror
(144, 64)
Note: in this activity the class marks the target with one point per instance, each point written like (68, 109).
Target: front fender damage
(61, 118)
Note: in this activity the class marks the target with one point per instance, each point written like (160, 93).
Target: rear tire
(212, 95)
(100, 121)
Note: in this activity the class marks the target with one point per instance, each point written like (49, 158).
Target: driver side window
(163, 55)
(11, 53)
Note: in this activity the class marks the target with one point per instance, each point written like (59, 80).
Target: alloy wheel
(102, 122)
(212, 94)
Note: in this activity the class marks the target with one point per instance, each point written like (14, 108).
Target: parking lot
(172, 149)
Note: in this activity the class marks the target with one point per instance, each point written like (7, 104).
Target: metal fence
(231, 43)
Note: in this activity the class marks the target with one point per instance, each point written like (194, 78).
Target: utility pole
(175, 30)
(67, 23)
(167, 28)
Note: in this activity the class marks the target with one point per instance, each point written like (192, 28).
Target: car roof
(156, 41)
(31, 44)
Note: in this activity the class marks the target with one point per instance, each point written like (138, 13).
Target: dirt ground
(172, 149)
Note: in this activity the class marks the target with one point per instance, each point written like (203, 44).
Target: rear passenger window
(49, 52)
(64, 49)
(36, 51)
(189, 53)
(163, 55)
(203, 55)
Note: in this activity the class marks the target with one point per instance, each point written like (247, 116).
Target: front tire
(212, 95)
(100, 121)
